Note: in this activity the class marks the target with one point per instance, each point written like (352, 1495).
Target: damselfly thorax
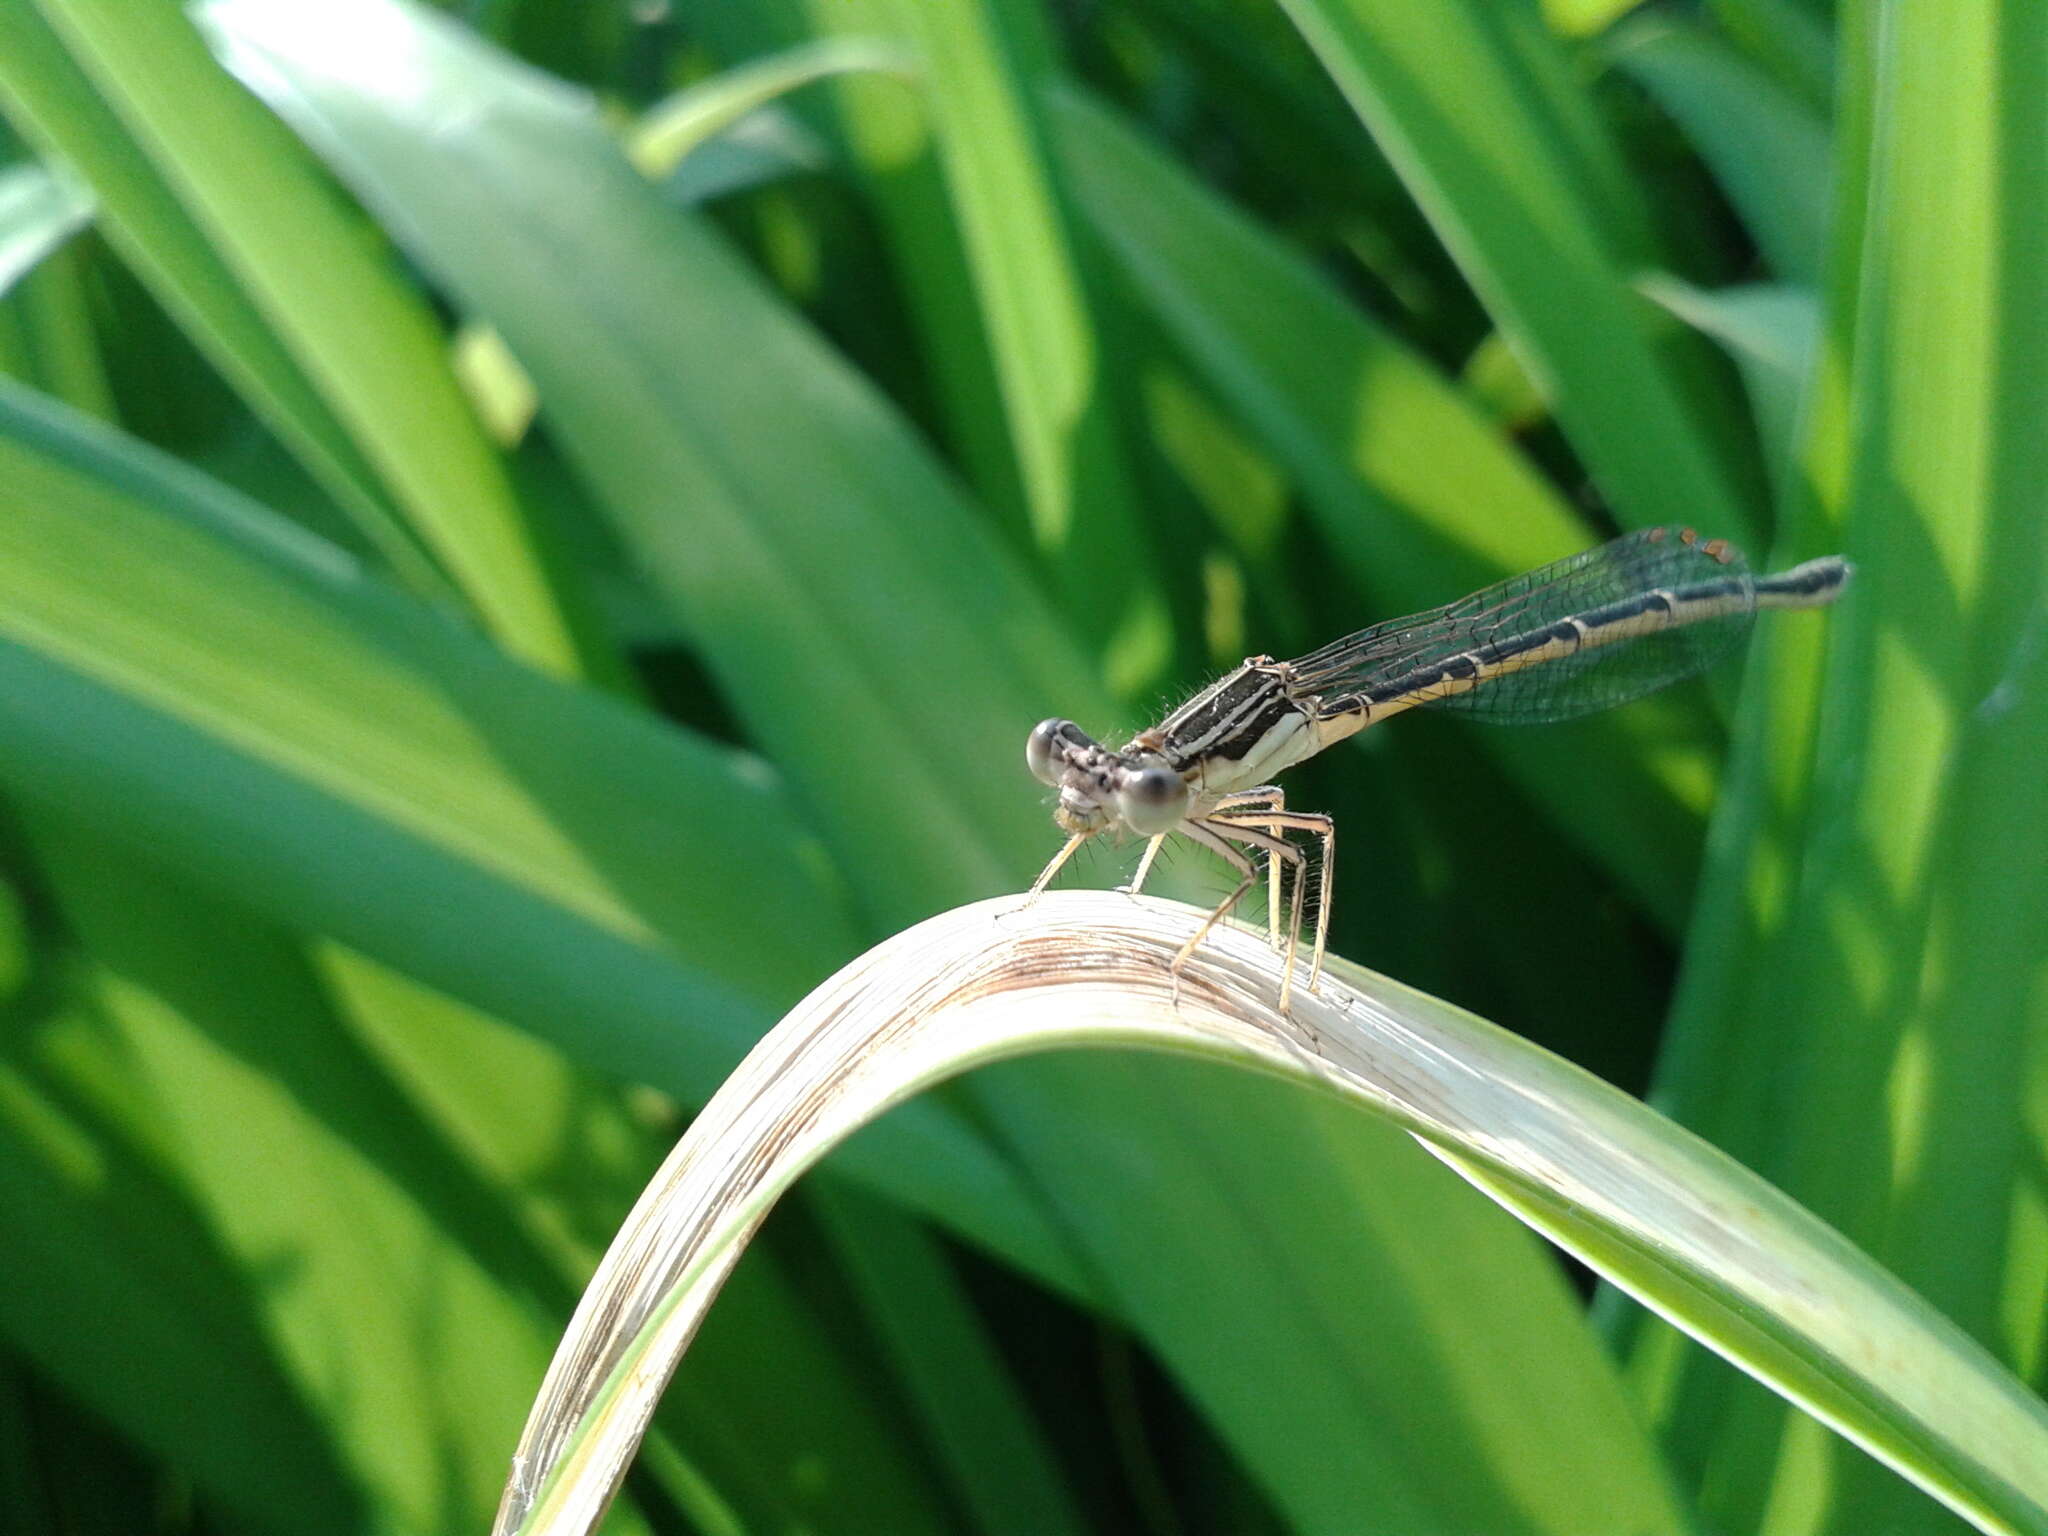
(1588, 632)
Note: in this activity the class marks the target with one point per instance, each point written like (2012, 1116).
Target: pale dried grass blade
(1700, 1239)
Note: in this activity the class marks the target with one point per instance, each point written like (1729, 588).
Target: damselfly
(1586, 633)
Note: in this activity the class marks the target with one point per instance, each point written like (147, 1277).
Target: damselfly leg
(1279, 822)
(1212, 834)
(1262, 797)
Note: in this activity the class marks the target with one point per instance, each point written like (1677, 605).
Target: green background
(412, 805)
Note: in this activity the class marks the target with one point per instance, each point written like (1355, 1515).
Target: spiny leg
(1045, 876)
(1294, 937)
(1273, 798)
(1246, 824)
(1263, 794)
(1294, 933)
(1279, 852)
(1211, 835)
(1325, 829)
(1145, 865)
(1197, 833)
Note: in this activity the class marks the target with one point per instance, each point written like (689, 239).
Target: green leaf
(1768, 149)
(1678, 1223)
(1786, 37)
(1479, 114)
(881, 130)
(1771, 332)
(259, 202)
(239, 698)
(117, 1291)
(968, 1403)
(58, 107)
(984, 68)
(38, 213)
(837, 585)
(297, 1150)
(989, 226)
(692, 117)
(1897, 943)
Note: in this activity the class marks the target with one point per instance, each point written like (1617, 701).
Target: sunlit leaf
(1683, 1227)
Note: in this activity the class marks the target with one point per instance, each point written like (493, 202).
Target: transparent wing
(1487, 654)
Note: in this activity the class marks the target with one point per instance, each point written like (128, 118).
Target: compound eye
(1038, 751)
(1152, 800)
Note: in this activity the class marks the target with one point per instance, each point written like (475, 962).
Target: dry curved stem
(1686, 1230)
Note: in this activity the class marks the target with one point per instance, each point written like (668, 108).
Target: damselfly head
(1100, 788)
(1060, 754)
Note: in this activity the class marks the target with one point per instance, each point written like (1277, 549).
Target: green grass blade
(1479, 114)
(52, 101)
(1787, 38)
(374, 1267)
(881, 131)
(258, 198)
(692, 117)
(984, 65)
(1904, 1114)
(838, 586)
(38, 213)
(969, 1405)
(1942, 690)
(1768, 149)
(238, 697)
(118, 1293)
(269, 658)
(1017, 340)
(1771, 331)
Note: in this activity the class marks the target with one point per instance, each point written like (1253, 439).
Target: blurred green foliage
(389, 801)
